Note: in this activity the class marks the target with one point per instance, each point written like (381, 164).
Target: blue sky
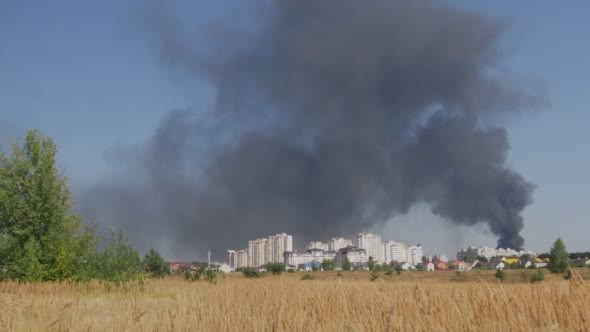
(85, 74)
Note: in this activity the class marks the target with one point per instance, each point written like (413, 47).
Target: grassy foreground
(416, 301)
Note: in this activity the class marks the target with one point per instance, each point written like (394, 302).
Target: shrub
(538, 277)
(500, 275)
(250, 272)
(275, 268)
(211, 276)
(307, 277)
(374, 275)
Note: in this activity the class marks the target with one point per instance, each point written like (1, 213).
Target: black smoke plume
(331, 116)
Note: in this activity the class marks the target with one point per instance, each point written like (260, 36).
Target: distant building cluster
(261, 251)
(279, 248)
(472, 253)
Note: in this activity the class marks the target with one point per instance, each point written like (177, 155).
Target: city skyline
(91, 78)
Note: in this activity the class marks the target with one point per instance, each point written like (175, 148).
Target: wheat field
(416, 301)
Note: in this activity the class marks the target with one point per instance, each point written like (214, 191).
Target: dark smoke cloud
(331, 116)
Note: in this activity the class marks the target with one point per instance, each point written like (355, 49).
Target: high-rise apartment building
(277, 245)
(338, 243)
(257, 252)
(371, 243)
(318, 245)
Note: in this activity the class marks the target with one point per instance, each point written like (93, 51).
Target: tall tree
(155, 265)
(559, 257)
(37, 229)
(346, 266)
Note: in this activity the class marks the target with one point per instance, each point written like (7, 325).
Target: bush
(374, 275)
(307, 277)
(538, 277)
(211, 276)
(250, 272)
(275, 268)
(500, 275)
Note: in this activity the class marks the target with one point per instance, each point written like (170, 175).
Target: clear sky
(84, 73)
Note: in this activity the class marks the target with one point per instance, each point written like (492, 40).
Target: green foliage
(275, 268)
(500, 275)
(38, 234)
(328, 265)
(210, 276)
(119, 261)
(307, 276)
(388, 270)
(398, 269)
(374, 275)
(538, 277)
(155, 265)
(250, 272)
(346, 266)
(559, 257)
(371, 263)
(40, 239)
(196, 274)
(187, 275)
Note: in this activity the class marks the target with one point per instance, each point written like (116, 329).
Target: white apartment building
(338, 243)
(295, 258)
(372, 244)
(231, 259)
(241, 258)
(386, 249)
(404, 253)
(257, 252)
(398, 252)
(417, 254)
(237, 259)
(356, 256)
(277, 245)
(318, 245)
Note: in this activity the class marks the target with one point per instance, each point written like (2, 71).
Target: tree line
(41, 239)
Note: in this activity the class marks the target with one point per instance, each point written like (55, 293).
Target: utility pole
(209, 259)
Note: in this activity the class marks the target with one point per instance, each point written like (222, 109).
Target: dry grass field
(412, 301)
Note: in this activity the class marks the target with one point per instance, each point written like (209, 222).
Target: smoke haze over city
(330, 117)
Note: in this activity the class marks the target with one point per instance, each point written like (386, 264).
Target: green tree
(559, 257)
(371, 263)
(328, 265)
(119, 261)
(250, 272)
(155, 265)
(500, 275)
(346, 266)
(275, 268)
(38, 233)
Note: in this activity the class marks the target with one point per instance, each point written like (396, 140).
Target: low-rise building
(356, 256)
(318, 245)
(337, 243)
